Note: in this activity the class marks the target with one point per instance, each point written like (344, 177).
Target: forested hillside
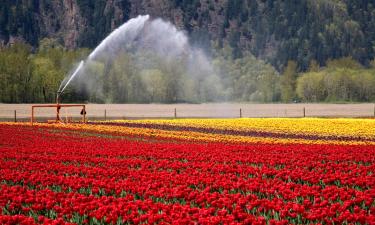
(274, 30)
(263, 50)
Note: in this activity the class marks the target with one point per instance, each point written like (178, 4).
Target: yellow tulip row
(191, 136)
(362, 128)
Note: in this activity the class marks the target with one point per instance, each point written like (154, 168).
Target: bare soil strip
(212, 110)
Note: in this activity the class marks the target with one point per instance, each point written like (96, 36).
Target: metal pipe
(58, 97)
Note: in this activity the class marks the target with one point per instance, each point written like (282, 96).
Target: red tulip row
(61, 178)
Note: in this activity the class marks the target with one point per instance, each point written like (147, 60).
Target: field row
(99, 174)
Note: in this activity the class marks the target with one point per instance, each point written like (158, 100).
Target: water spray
(58, 104)
(74, 74)
(128, 31)
(161, 38)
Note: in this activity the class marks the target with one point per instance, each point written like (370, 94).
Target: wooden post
(304, 112)
(84, 114)
(32, 115)
(105, 114)
(240, 113)
(58, 113)
(175, 113)
(15, 115)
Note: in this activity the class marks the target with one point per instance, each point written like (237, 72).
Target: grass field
(189, 171)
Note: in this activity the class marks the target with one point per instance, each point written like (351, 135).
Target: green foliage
(341, 80)
(314, 66)
(45, 78)
(302, 31)
(346, 62)
(372, 64)
(246, 78)
(143, 77)
(275, 30)
(100, 20)
(288, 82)
(234, 8)
(310, 87)
(15, 73)
(27, 77)
(17, 19)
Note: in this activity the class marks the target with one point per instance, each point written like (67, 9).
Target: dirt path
(219, 110)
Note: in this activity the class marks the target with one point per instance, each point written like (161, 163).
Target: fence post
(84, 114)
(15, 115)
(32, 115)
(175, 113)
(105, 114)
(240, 113)
(304, 112)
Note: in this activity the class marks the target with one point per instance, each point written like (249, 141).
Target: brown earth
(217, 110)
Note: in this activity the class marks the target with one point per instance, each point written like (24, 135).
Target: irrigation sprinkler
(58, 107)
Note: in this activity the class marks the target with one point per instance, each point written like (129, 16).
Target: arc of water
(61, 90)
(130, 30)
(127, 31)
(161, 38)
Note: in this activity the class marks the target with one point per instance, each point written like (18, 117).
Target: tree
(269, 85)
(46, 78)
(15, 73)
(364, 83)
(288, 82)
(372, 63)
(314, 66)
(310, 87)
(346, 62)
(154, 83)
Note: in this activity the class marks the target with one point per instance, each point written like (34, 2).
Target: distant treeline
(28, 75)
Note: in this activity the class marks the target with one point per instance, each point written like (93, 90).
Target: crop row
(349, 128)
(59, 177)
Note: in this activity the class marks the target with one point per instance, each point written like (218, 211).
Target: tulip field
(189, 171)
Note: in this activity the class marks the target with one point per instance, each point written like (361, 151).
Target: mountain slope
(274, 30)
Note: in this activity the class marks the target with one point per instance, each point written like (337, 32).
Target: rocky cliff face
(61, 20)
(69, 20)
(274, 30)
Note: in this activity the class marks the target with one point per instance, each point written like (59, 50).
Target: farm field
(189, 171)
(208, 110)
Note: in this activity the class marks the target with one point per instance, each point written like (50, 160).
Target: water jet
(138, 38)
